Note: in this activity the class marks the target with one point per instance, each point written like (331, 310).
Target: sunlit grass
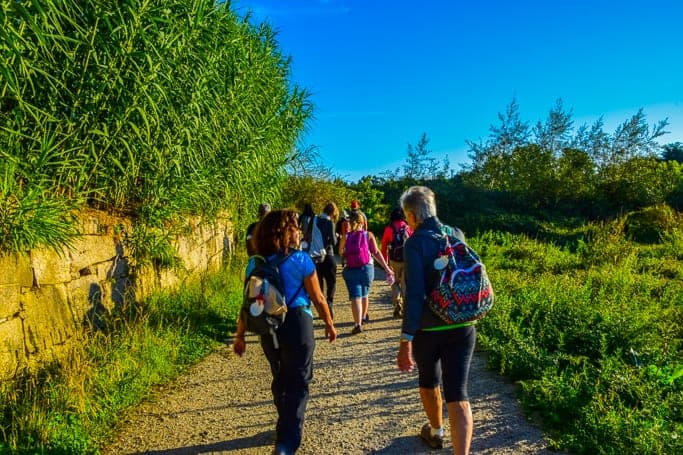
(73, 406)
(593, 336)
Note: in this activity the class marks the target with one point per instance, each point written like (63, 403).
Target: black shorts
(444, 357)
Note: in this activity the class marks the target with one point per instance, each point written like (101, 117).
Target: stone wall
(48, 299)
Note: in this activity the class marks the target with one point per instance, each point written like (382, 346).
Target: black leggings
(327, 271)
(444, 357)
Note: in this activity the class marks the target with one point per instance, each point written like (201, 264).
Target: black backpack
(396, 244)
(264, 305)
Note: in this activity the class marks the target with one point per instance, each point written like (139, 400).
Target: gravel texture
(360, 402)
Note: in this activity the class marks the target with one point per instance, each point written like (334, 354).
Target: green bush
(649, 224)
(593, 336)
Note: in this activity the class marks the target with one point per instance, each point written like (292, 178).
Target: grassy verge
(592, 331)
(73, 407)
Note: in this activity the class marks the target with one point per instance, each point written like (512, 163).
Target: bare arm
(238, 344)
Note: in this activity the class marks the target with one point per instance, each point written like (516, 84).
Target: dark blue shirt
(419, 253)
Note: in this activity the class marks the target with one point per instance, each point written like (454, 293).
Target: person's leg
(460, 418)
(353, 286)
(432, 403)
(368, 277)
(397, 288)
(426, 357)
(276, 386)
(297, 348)
(330, 275)
(321, 271)
(357, 310)
(456, 357)
(331, 278)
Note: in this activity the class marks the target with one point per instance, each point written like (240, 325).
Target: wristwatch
(406, 338)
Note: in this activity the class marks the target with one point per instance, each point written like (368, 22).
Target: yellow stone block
(12, 351)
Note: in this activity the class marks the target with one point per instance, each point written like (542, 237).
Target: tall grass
(592, 331)
(157, 108)
(73, 406)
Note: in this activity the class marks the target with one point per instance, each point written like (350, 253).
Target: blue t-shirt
(293, 270)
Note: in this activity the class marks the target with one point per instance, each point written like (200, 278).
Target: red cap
(355, 204)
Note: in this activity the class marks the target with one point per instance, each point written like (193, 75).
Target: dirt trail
(360, 403)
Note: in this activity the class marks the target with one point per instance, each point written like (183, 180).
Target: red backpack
(356, 249)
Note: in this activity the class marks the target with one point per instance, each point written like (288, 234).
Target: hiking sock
(436, 431)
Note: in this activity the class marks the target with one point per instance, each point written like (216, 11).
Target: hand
(330, 332)
(405, 357)
(390, 278)
(239, 345)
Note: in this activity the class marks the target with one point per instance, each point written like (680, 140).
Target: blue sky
(382, 72)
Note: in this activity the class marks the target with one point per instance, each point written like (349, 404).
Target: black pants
(292, 369)
(327, 272)
(444, 357)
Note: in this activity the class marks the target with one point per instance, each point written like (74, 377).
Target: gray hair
(420, 201)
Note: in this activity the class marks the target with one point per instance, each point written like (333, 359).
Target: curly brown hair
(274, 232)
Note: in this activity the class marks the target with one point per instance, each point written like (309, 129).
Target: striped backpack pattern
(464, 292)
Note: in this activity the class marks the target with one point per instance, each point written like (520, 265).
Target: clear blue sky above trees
(383, 72)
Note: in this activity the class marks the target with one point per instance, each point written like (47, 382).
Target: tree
(487, 157)
(634, 138)
(594, 141)
(420, 165)
(576, 179)
(555, 134)
(511, 133)
(673, 152)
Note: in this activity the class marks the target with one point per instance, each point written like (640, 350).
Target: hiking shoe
(280, 450)
(356, 330)
(434, 442)
(366, 319)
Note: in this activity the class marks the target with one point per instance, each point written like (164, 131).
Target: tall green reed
(147, 104)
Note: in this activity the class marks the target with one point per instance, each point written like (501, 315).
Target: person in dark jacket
(327, 268)
(443, 353)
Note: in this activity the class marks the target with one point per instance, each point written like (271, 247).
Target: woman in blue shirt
(291, 363)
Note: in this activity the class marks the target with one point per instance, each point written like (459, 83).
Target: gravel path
(360, 403)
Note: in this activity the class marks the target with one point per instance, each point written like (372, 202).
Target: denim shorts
(358, 280)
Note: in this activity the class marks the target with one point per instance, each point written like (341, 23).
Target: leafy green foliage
(32, 216)
(592, 331)
(651, 223)
(307, 189)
